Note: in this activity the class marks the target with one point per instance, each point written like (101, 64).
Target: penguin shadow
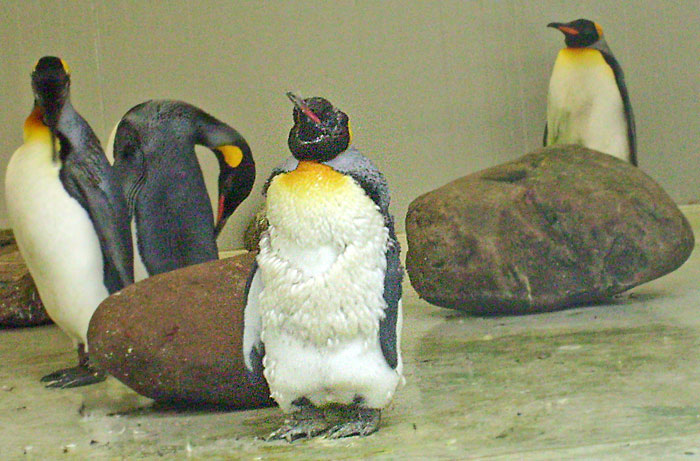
(249, 422)
(169, 409)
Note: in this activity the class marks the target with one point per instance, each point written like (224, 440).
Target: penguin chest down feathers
(584, 104)
(322, 265)
(56, 238)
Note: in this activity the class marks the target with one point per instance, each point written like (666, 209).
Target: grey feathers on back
(87, 177)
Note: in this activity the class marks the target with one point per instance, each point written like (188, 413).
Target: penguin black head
(51, 86)
(580, 33)
(236, 178)
(320, 131)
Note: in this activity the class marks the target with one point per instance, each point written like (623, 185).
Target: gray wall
(435, 90)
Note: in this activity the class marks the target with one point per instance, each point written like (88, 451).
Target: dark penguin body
(68, 214)
(588, 102)
(323, 316)
(154, 156)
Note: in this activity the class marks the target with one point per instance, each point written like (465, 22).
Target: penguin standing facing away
(68, 215)
(588, 103)
(323, 310)
(154, 157)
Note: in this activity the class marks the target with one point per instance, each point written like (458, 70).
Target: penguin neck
(34, 127)
(576, 59)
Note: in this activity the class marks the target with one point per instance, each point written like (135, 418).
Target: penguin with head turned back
(323, 312)
(588, 103)
(154, 157)
(68, 215)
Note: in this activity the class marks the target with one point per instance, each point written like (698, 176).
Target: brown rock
(177, 337)
(20, 305)
(252, 233)
(560, 226)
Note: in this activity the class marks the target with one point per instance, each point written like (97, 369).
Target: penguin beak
(564, 28)
(301, 105)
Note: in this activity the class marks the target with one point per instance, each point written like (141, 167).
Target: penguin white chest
(584, 104)
(322, 264)
(56, 238)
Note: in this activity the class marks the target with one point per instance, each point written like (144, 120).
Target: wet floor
(618, 381)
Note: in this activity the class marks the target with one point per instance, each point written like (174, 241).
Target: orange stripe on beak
(568, 30)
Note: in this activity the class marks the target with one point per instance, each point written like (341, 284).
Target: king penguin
(588, 103)
(68, 215)
(153, 152)
(323, 311)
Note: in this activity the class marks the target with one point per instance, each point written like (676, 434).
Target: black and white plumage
(588, 102)
(152, 148)
(323, 313)
(68, 215)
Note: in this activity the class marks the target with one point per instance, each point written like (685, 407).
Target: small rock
(252, 233)
(561, 226)
(20, 305)
(177, 337)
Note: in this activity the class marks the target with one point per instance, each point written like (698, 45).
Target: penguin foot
(81, 375)
(305, 423)
(361, 422)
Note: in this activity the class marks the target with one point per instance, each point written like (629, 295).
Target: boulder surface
(561, 226)
(177, 337)
(20, 305)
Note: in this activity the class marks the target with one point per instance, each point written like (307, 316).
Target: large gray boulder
(20, 305)
(177, 337)
(561, 226)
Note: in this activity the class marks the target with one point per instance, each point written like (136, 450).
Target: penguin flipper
(91, 182)
(253, 347)
(627, 105)
(392, 296)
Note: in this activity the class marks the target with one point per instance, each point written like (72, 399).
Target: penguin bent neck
(584, 104)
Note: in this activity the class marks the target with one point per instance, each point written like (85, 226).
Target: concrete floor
(614, 381)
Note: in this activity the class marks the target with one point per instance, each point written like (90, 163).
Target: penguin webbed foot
(357, 421)
(73, 377)
(305, 423)
(81, 375)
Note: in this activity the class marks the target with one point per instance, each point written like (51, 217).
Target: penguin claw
(302, 424)
(366, 423)
(73, 377)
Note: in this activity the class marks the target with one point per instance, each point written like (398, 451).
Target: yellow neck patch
(311, 177)
(233, 155)
(581, 56)
(350, 134)
(34, 128)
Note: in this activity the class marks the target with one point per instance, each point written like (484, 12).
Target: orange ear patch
(598, 29)
(233, 155)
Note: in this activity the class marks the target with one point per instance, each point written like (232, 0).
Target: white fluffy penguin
(68, 215)
(323, 312)
(588, 103)
(154, 157)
